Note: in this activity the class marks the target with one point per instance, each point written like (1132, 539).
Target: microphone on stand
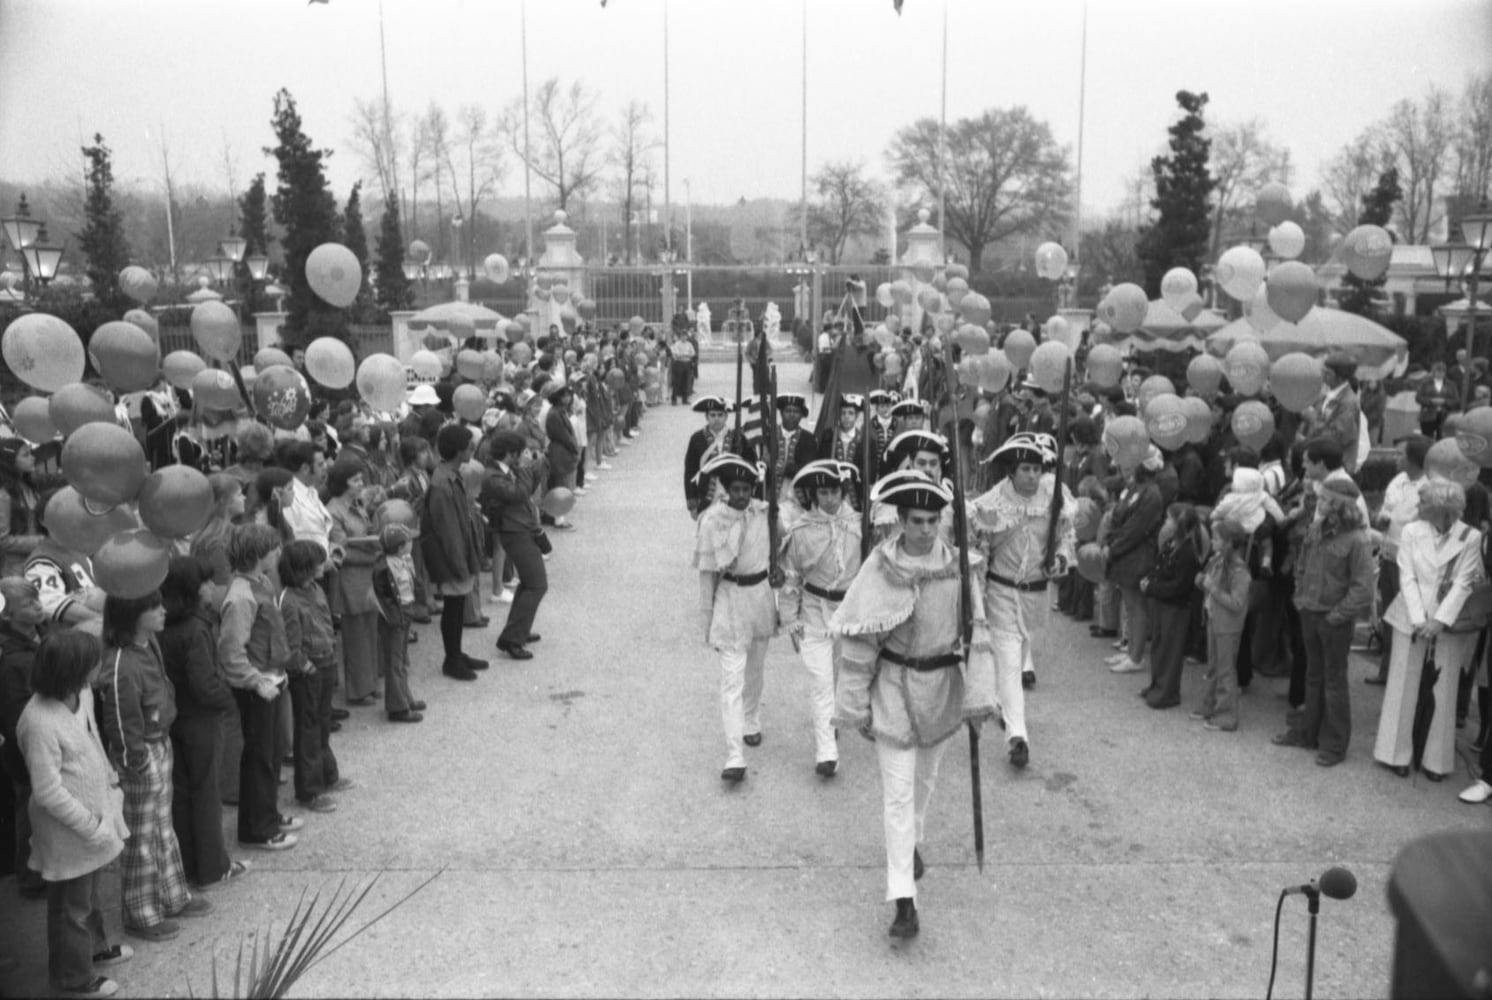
(1335, 883)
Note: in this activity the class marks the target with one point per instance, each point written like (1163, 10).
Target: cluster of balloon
(1155, 385)
(214, 389)
(882, 335)
(971, 339)
(1177, 287)
(469, 402)
(1051, 261)
(1124, 307)
(1105, 365)
(419, 252)
(1447, 460)
(181, 368)
(1261, 318)
(74, 405)
(380, 381)
(334, 274)
(1291, 290)
(1127, 441)
(32, 419)
(1198, 419)
(138, 283)
(496, 267)
(125, 355)
(1474, 435)
(268, 357)
(1240, 272)
(217, 332)
(1019, 345)
(1204, 374)
(975, 308)
(1253, 424)
(1295, 380)
(1287, 240)
(144, 321)
(1366, 251)
(1272, 203)
(1049, 364)
(43, 351)
(282, 397)
(1166, 422)
(1091, 563)
(1247, 366)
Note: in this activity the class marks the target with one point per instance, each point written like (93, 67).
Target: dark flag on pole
(894, 3)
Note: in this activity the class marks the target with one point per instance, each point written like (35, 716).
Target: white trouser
(741, 696)
(1012, 656)
(907, 780)
(818, 657)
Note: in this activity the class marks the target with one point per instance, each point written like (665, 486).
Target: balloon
(469, 364)
(1165, 420)
(333, 273)
(1474, 435)
(496, 266)
(930, 299)
(74, 405)
(104, 463)
(131, 564)
(959, 271)
(883, 293)
(521, 353)
(1126, 440)
(43, 351)
(181, 367)
(1204, 374)
(329, 361)
(544, 280)
(558, 502)
(250, 375)
(380, 381)
(1253, 424)
(1057, 328)
(138, 283)
(1446, 460)
(1240, 270)
(891, 362)
(882, 335)
(1295, 380)
(215, 328)
(32, 419)
(492, 366)
(1124, 308)
(175, 501)
(956, 290)
(1272, 204)
(635, 325)
(397, 511)
(1287, 239)
(901, 292)
(469, 403)
(1155, 385)
(974, 308)
(586, 308)
(1177, 286)
(1091, 563)
(144, 321)
(1105, 365)
(125, 356)
(419, 251)
(78, 525)
(569, 317)
(1051, 261)
(972, 339)
(426, 365)
(1260, 316)
(1049, 363)
(995, 370)
(922, 271)
(214, 389)
(1291, 290)
(1366, 251)
(1018, 347)
(560, 292)
(282, 397)
(1247, 366)
(1198, 419)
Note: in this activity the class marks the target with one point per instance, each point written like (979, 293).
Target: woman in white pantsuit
(1439, 564)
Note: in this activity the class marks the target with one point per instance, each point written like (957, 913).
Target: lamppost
(1464, 261)
(456, 222)
(666, 258)
(21, 230)
(42, 257)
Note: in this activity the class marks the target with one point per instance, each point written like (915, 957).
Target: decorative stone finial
(560, 216)
(923, 215)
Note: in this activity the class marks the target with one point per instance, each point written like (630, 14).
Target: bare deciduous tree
(632, 144)
(1351, 174)
(377, 143)
(566, 137)
(1473, 141)
(1419, 138)
(482, 170)
(848, 204)
(1243, 160)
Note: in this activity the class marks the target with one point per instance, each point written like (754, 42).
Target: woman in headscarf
(20, 531)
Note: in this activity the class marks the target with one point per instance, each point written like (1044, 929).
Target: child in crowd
(312, 671)
(393, 585)
(1246, 503)
(1225, 582)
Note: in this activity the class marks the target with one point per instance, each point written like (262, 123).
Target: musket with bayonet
(1048, 563)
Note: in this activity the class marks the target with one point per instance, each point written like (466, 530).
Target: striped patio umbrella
(459, 319)
(1164, 329)
(1378, 351)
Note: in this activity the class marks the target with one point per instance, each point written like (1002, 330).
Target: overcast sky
(1316, 71)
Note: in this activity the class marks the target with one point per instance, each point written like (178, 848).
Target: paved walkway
(588, 847)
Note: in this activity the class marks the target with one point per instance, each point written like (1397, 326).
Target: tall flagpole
(528, 214)
(667, 200)
(803, 191)
(943, 146)
(1077, 204)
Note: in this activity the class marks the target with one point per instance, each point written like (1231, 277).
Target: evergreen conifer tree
(1377, 210)
(392, 288)
(1183, 190)
(305, 209)
(102, 238)
(355, 238)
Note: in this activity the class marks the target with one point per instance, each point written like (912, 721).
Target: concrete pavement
(589, 847)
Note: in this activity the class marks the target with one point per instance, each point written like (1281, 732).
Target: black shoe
(458, 670)
(335, 727)
(752, 739)
(474, 663)
(916, 865)
(1028, 679)
(1020, 752)
(406, 716)
(414, 637)
(734, 775)
(826, 768)
(905, 925)
(533, 637)
(416, 706)
(514, 650)
(338, 714)
(1103, 633)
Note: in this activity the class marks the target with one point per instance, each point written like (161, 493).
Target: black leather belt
(1004, 582)
(828, 595)
(923, 663)
(749, 580)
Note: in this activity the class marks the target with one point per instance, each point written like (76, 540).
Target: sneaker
(163, 931)
(1121, 644)
(342, 784)
(604, 465)
(580, 491)
(1477, 794)
(1126, 666)
(236, 870)
(321, 804)
(99, 986)
(279, 842)
(289, 823)
(116, 955)
(506, 597)
(1116, 658)
(1199, 716)
(1218, 727)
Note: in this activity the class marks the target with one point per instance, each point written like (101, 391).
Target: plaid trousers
(154, 884)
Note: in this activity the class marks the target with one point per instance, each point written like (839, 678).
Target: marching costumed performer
(706, 444)
(821, 555)
(906, 679)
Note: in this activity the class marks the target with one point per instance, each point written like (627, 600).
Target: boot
(905, 925)
(1484, 712)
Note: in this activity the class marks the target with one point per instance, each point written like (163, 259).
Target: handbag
(1476, 611)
